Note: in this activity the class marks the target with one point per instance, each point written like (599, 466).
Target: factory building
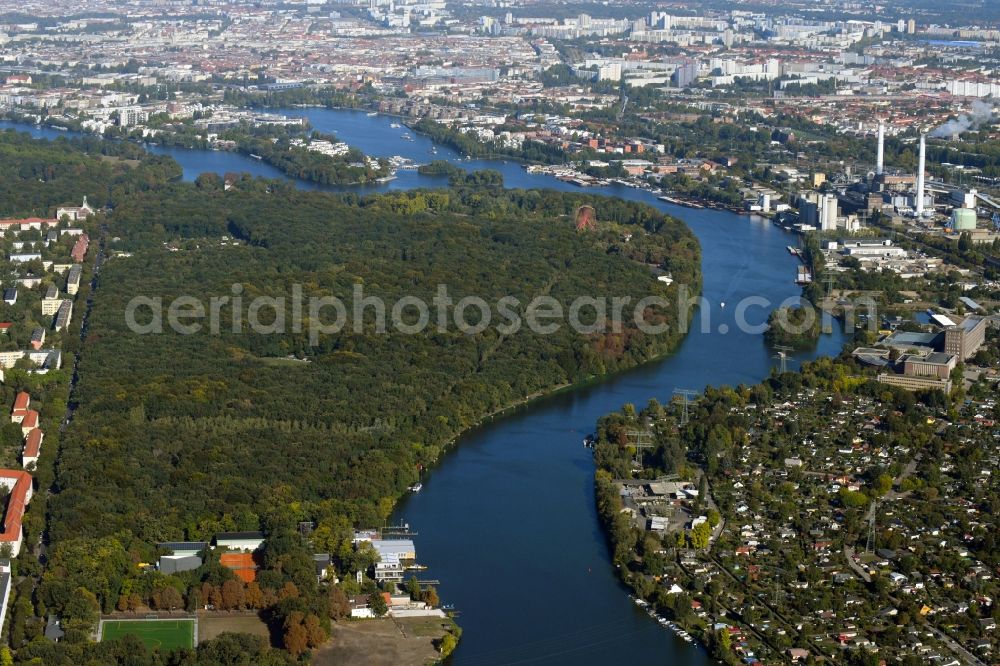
(965, 339)
(862, 249)
(828, 212)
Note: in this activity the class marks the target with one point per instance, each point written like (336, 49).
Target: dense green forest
(304, 96)
(301, 162)
(274, 145)
(440, 168)
(181, 436)
(797, 327)
(346, 429)
(35, 176)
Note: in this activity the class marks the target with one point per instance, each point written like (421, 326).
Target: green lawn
(164, 634)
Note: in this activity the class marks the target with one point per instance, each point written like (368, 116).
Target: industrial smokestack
(880, 161)
(920, 174)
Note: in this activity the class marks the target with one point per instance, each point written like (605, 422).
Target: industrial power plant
(847, 204)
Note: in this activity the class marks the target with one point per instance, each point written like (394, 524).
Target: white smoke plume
(980, 113)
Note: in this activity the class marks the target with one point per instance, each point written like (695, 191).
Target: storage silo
(963, 219)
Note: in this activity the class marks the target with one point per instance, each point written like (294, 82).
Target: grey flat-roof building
(322, 561)
(64, 315)
(171, 564)
(183, 547)
(242, 541)
(903, 340)
(73, 279)
(872, 356)
(53, 629)
(4, 591)
(933, 364)
(969, 303)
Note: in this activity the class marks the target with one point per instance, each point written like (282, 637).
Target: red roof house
(20, 409)
(30, 422)
(79, 251)
(32, 447)
(19, 483)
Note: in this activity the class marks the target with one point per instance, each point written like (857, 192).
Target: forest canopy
(181, 436)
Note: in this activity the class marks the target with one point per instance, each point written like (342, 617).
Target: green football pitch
(163, 634)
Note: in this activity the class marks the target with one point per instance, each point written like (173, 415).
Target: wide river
(507, 521)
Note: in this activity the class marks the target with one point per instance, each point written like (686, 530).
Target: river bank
(748, 587)
(509, 513)
(297, 154)
(382, 642)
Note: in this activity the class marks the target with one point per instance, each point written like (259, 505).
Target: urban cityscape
(787, 450)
